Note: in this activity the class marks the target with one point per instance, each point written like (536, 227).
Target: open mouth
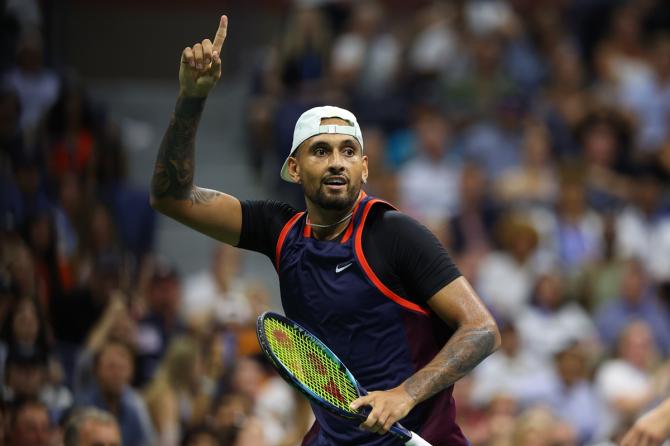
(335, 182)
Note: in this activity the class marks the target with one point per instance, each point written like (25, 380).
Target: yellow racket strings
(310, 364)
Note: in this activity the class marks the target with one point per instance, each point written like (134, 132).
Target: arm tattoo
(174, 168)
(465, 349)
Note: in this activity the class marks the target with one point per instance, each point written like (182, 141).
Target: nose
(336, 164)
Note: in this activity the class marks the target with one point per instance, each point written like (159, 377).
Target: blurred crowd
(90, 317)
(532, 137)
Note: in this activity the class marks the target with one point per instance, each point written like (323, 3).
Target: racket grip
(410, 438)
(416, 441)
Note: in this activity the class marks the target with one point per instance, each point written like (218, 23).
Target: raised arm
(172, 190)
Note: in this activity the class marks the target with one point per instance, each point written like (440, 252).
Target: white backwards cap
(309, 124)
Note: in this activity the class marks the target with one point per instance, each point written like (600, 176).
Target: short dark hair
(20, 405)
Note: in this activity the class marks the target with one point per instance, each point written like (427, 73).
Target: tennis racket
(310, 366)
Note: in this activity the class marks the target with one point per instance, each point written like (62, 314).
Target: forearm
(174, 168)
(467, 347)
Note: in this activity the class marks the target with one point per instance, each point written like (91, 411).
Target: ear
(293, 169)
(364, 175)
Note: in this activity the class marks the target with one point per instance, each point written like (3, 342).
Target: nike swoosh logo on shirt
(340, 268)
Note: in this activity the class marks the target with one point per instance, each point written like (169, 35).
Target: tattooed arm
(475, 338)
(172, 190)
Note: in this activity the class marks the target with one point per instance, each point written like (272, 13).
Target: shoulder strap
(282, 236)
(360, 255)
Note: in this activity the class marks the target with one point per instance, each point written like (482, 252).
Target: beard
(340, 202)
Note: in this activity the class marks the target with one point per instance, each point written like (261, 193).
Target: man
(92, 427)
(27, 379)
(29, 425)
(112, 370)
(389, 302)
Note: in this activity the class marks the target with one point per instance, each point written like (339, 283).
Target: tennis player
(375, 285)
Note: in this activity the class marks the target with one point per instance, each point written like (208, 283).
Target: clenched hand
(201, 64)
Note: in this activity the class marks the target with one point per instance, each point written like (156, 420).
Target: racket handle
(410, 438)
(417, 441)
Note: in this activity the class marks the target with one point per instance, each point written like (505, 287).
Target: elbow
(158, 204)
(497, 338)
(490, 335)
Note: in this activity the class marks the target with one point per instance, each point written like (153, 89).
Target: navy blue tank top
(382, 337)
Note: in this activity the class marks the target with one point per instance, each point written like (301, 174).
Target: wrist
(189, 107)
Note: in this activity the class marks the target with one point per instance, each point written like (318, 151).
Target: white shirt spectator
(203, 296)
(505, 284)
(645, 239)
(544, 333)
(508, 375)
(429, 189)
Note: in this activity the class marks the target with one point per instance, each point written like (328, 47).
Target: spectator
(36, 85)
(495, 141)
(26, 374)
(160, 322)
(112, 370)
(577, 229)
(643, 226)
(365, 62)
(598, 282)
(91, 427)
(625, 382)
(274, 401)
(70, 130)
(636, 300)
(433, 169)
(218, 292)
(25, 329)
(235, 422)
(538, 427)
(565, 102)
(648, 97)
(435, 44)
(29, 424)
(535, 181)
(571, 395)
(604, 137)
(115, 324)
(515, 264)
(470, 229)
(620, 57)
(176, 397)
(74, 315)
(27, 377)
(552, 314)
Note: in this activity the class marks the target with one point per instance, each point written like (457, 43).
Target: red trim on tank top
(358, 246)
(282, 236)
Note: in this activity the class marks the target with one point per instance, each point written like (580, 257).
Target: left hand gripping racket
(310, 366)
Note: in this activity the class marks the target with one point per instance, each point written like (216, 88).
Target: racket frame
(397, 429)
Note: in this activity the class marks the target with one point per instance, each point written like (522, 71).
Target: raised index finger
(220, 34)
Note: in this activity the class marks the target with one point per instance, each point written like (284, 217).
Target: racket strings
(308, 362)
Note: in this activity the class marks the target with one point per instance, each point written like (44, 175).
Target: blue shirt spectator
(635, 302)
(109, 389)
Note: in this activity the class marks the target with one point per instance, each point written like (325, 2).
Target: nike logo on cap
(341, 267)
